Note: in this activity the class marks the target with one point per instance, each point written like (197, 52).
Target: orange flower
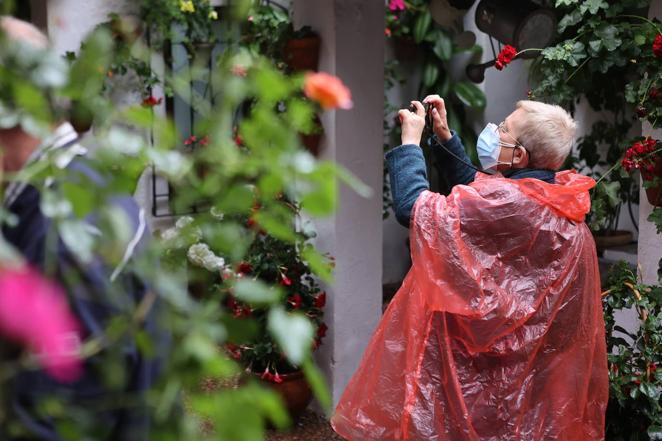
(328, 90)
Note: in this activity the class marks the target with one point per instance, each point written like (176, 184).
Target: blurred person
(119, 412)
(497, 332)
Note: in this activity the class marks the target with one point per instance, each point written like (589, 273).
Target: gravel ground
(310, 427)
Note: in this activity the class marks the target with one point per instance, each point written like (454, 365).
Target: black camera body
(428, 115)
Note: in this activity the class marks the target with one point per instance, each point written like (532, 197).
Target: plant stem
(607, 173)
(576, 70)
(638, 17)
(529, 49)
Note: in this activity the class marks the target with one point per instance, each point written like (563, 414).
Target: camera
(428, 115)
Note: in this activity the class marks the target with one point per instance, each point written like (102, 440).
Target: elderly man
(92, 288)
(497, 331)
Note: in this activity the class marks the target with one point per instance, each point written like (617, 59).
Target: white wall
(353, 49)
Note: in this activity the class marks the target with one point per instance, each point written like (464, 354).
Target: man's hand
(412, 124)
(439, 122)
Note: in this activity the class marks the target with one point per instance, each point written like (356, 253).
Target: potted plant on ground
(267, 261)
(274, 261)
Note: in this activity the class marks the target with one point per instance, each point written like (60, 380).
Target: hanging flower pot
(303, 53)
(654, 175)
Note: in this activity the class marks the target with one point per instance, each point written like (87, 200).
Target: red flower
(507, 54)
(641, 111)
(657, 46)
(653, 93)
(295, 300)
(638, 156)
(266, 375)
(244, 268)
(190, 140)
(277, 378)
(285, 281)
(320, 300)
(204, 141)
(387, 32)
(151, 101)
(321, 331)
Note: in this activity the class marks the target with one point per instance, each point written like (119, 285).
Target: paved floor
(310, 427)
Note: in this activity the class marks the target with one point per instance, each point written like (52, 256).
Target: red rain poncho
(497, 332)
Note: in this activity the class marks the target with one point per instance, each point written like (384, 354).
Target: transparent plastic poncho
(497, 332)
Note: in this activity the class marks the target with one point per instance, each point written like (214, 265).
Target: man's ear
(520, 157)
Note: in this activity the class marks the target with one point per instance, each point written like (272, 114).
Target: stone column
(352, 33)
(649, 250)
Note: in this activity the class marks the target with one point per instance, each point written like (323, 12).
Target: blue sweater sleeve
(456, 171)
(408, 175)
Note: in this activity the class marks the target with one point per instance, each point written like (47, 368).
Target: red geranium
(320, 300)
(507, 54)
(151, 101)
(640, 155)
(657, 46)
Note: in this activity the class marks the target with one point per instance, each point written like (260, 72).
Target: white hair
(19, 30)
(547, 131)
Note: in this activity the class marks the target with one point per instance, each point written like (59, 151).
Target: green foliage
(266, 169)
(635, 402)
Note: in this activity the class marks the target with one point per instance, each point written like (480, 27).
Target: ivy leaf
(656, 218)
(569, 20)
(593, 6)
(609, 36)
(565, 2)
(595, 46)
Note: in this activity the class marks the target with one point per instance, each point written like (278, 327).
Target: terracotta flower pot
(654, 194)
(294, 390)
(302, 53)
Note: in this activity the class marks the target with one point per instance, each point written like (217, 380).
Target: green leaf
(293, 332)
(422, 25)
(78, 236)
(318, 263)
(609, 36)
(469, 94)
(649, 390)
(318, 385)
(656, 218)
(443, 47)
(81, 197)
(430, 74)
(640, 39)
(256, 292)
(655, 432)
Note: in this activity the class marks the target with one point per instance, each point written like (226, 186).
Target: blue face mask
(489, 148)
